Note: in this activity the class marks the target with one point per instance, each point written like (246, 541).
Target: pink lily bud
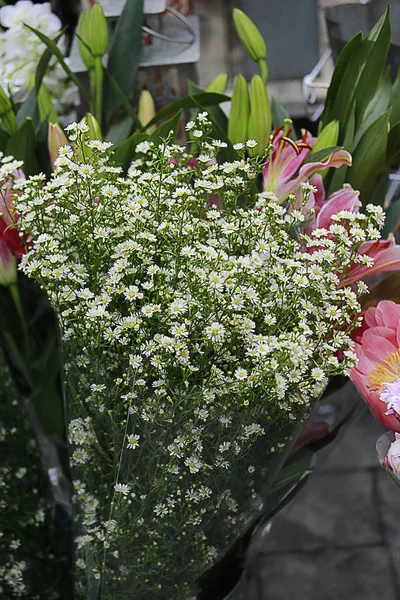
(388, 451)
(8, 266)
(55, 139)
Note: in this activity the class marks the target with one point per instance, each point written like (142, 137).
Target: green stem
(263, 70)
(14, 291)
(98, 89)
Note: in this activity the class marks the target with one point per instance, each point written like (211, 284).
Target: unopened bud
(55, 139)
(146, 109)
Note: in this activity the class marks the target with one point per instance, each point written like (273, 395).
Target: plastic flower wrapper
(21, 50)
(29, 566)
(196, 342)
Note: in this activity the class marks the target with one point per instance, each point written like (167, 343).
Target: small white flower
(241, 373)
(122, 488)
(133, 441)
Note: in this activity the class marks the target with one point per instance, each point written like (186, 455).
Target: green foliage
(124, 55)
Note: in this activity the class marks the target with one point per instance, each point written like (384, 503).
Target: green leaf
(124, 100)
(195, 101)
(392, 221)
(163, 130)
(4, 137)
(339, 175)
(125, 152)
(124, 55)
(328, 136)
(217, 113)
(377, 44)
(321, 155)
(119, 131)
(369, 157)
(395, 101)
(54, 49)
(22, 145)
(378, 105)
(342, 65)
(393, 147)
(30, 107)
(357, 74)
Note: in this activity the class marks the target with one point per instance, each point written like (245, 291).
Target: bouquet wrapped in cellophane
(200, 322)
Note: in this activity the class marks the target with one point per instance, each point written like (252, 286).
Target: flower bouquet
(204, 297)
(197, 337)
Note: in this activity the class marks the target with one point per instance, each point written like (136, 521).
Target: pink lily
(344, 199)
(386, 255)
(377, 374)
(284, 169)
(8, 218)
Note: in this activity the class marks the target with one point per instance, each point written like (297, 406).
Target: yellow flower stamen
(385, 372)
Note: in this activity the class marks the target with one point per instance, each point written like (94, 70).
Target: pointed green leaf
(321, 155)
(377, 44)
(378, 105)
(339, 176)
(119, 131)
(328, 137)
(369, 157)
(163, 130)
(54, 49)
(124, 55)
(341, 67)
(30, 107)
(203, 99)
(393, 148)
(357, 74)
(125, 152)
(395, 101)
(4, 137)
(124, 100)
(22, 145)
(392, 221)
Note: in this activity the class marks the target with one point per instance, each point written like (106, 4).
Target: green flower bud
(250, 36)
(218, 85)
(92, 34)
(146, 109)
(94, 128)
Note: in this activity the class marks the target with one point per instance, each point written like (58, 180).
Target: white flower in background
(21, 50)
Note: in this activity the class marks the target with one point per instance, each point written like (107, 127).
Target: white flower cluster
(199, 326)
(21, 50)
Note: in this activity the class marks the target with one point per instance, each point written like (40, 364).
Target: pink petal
(386, 255)
(319, 196)
(344, 199)
(388, 313)
(336, 159)
(375, 346)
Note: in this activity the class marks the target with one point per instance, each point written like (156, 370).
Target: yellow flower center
(385, 372)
